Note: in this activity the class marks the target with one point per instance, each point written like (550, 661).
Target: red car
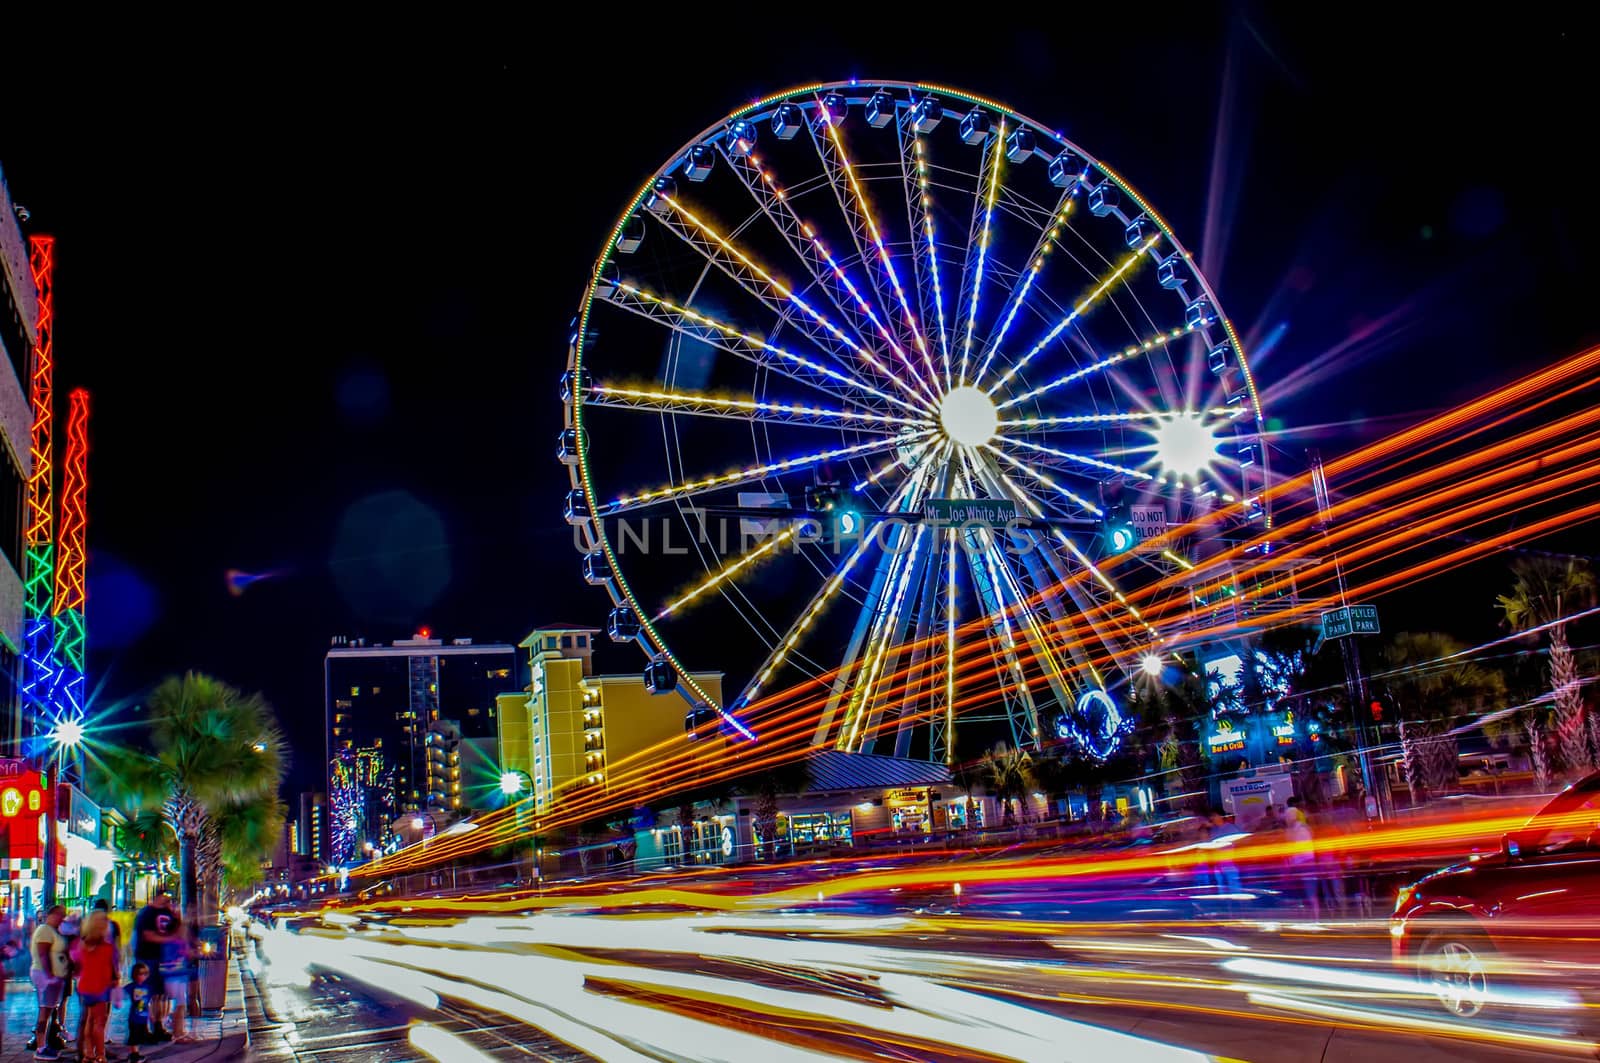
(1520, 927)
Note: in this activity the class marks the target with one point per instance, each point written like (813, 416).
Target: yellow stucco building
(571, 726)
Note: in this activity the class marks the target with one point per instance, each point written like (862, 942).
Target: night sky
(321, 294)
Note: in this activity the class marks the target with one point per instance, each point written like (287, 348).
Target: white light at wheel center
(1184, 445)
(968, 416)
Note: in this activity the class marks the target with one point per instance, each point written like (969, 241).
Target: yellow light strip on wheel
(1134, 258)
(983, 246)
(783, 289)
(753, 473)
(753, 405)
(730, 571)
(877, 237)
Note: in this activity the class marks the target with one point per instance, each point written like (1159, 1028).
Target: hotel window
(672, 844)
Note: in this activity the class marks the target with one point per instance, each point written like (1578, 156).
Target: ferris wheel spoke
(1075, 458)
(886, 634)
(1133, 350)
(1025, 582)
(920, 223)
(827, 273)
(1021, 713)
(897, 461)
(1025, 594)
(771, 292)
(673, 492)
(1084, 305)
(1058, 579)
(875, 633)
(1036, 262)
(752, 348)
(751, 409)
(988, 191)
(942, 707)
(868, 235)
(1093, 600)
(728, 571)
(1044, 478)
(1092, 422)
(885, 637)
(785, 646)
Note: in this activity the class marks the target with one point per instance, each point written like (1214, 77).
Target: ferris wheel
(882, 386)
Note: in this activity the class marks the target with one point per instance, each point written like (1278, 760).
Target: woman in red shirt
(96, 957)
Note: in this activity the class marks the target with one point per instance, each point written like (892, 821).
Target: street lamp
(64, 737)
(513, 784)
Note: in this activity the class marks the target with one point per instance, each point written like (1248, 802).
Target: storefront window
(820, 828)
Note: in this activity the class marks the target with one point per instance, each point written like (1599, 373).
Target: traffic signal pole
(1379, 800)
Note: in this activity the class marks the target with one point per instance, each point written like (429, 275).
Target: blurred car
(1519, 927)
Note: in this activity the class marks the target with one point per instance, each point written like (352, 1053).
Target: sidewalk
(222, 1033)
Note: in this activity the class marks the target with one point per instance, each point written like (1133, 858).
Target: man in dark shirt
(152, 928)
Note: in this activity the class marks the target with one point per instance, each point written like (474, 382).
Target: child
(139, 1032)
(175, 977)
(96, 959)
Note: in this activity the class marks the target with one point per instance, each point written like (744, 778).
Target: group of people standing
(157, 983)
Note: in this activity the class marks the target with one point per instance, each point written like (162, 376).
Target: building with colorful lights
(570, 723)
(403, 722)
(19, 333)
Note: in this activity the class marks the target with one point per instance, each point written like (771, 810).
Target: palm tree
(213, 773)
(1546, 592)
(1007, 775)
(788, 777)
(1432, 682)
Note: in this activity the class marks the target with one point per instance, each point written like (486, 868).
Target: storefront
(910, 811)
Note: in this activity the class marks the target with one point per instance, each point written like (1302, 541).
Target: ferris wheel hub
(968, 416)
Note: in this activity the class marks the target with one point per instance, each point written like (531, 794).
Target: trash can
(212, 959)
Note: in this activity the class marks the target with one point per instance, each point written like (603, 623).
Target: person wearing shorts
(175, 980)
(98, 976)
(49, 976)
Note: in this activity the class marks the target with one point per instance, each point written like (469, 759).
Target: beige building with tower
(571, 725)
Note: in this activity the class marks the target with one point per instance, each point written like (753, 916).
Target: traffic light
(1119, 533)
(1377, 711)
(837, 511)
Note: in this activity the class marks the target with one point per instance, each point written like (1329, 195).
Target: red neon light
(74, 506)
(42, 259)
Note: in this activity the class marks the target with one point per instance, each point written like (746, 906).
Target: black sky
(300, 278)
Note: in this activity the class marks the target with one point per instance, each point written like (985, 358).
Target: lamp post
(514, 783)
(64, 737)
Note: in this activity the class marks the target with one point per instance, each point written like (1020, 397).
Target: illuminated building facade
(19, 335)
(310, 834)
(399, 717)
(569, 724)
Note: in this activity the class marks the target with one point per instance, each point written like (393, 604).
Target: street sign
(1148, 521)
(995, 512)
(1350, 620)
